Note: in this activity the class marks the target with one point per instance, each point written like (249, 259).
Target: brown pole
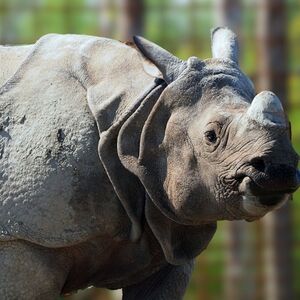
(272, 75)
(132, 19)
(228, 13)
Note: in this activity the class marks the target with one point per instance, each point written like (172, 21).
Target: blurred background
(257, 261)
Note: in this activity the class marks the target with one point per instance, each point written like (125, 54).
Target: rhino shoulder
(53, 188)
(11, 57)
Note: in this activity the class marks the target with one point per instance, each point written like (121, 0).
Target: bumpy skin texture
(113, 174)
(47, 125)
(31, 272)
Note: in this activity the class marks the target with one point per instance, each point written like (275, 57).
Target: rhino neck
(180, 243)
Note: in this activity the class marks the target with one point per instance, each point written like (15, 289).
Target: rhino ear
(224, 44)
(169, 65)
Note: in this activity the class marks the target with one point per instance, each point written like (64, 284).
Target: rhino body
(99, 176)
(57, 202)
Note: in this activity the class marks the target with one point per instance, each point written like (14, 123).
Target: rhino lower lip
(251, 205)
(257, 207)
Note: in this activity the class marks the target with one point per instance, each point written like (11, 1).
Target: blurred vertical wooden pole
(132, 18)
(106, 22)
(272, 75)
(191, 36)
(239, 281)
(228, 13)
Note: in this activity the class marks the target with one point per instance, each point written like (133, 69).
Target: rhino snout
(267, 186)
(258, 205)
(269, 178)
(276, 179)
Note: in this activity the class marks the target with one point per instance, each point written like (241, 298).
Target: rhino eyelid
(216, 126)
(216, 123)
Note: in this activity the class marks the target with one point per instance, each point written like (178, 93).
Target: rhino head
(211, 149)
(195, 148)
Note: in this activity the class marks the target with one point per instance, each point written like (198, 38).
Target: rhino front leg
(169, 283)
(30, 272)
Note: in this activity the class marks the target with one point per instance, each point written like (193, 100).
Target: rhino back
(53, 188)
(10, 60)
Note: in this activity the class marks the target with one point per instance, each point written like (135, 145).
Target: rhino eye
(211, 136)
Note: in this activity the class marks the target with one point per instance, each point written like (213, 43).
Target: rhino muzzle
(277, 178)
(268, 185)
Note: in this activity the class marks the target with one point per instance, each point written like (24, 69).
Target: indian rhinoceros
(116, 162)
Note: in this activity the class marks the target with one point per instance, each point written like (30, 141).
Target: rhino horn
(224, 44)
(266, 109)
(169, 65)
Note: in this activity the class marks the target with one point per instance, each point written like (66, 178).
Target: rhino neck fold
(180, 243)
(126, 184)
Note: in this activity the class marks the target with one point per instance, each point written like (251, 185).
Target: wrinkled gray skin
(176, 155)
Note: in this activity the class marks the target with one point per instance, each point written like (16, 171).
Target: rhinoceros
(117, 161)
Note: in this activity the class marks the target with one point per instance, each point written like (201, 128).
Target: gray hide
(54, 190)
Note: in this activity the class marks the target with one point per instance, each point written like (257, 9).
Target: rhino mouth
(257, 200)
(267, 196)
(270, 186)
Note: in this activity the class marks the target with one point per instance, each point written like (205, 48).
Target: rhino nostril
(258, 164)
